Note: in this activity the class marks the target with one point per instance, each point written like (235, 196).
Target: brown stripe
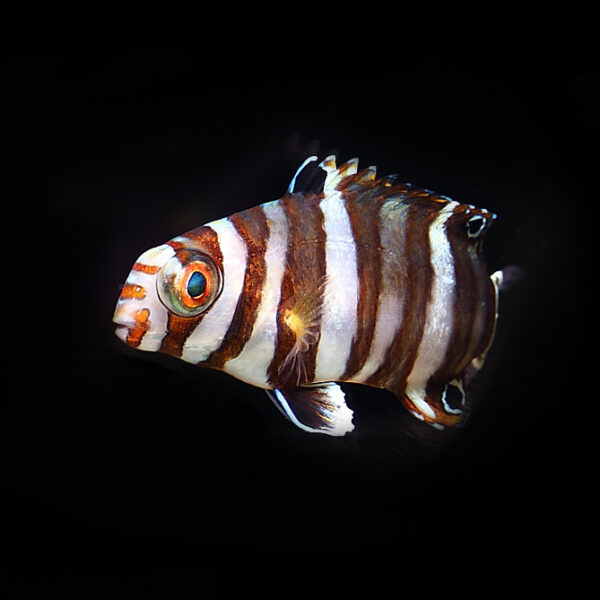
(176, 245)
(252, 226)
(484, 319)
(489, 317)
(179, 328)
(305, 266)
(419, 275)
(364, 220)
(142, 324)
(474, 304)
(466, 299)
(380, 251)
(201, 238)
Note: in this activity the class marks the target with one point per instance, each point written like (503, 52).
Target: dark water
(129, 135)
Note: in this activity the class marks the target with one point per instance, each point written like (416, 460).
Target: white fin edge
(337, 421)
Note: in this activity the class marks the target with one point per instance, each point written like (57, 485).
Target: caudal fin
(508, 277)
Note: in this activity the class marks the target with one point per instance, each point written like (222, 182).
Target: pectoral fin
(301, 315)
(317, 409)
(440, 405)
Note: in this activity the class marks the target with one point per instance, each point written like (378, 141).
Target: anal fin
(317, 408)
(438, 404)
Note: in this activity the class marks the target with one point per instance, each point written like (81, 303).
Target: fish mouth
(132, 331)
(122, 331)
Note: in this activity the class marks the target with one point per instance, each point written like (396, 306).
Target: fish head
(170, 284)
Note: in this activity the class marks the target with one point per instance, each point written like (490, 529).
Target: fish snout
(132, 325)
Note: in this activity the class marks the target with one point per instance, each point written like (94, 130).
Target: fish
(347, 278)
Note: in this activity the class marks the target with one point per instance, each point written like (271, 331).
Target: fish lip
(124, 323)
(122, 319)
(122, 331)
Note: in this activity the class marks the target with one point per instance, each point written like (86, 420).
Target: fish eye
(196, 284)
(189, 283)
(475, 226)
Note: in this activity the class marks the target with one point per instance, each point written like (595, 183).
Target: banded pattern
(301, 294)
(208, 334)
(252, 363)
(340, 296)
(364, 280)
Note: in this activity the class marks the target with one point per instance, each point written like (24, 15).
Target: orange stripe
(142, 324)
(131, 290)
(151, 270)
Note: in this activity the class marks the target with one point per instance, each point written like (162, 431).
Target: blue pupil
(196, 285)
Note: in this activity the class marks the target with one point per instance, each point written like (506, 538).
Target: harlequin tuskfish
(357, 279)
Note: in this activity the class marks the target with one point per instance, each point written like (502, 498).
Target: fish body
(359, 279)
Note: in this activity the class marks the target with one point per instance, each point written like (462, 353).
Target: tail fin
(508, 277)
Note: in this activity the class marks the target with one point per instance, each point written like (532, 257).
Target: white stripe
(390, 308)
(417, 397)
(338, 321)
(156, 257)
(439, 313)
(253, 361)
(387, 323)
(159, 315)
(210, 331)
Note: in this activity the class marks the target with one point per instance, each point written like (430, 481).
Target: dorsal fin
(336, 174)
(326, 176)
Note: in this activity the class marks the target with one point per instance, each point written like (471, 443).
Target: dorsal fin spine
(300, 169)
(336, 174)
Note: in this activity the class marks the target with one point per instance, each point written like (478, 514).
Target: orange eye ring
(197, 283)
(189, 283)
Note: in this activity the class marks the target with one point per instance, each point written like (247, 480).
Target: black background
(131, 130)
